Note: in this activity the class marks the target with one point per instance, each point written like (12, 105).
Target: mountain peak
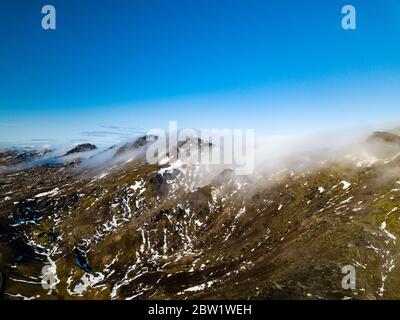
(383, 136)
(84, 147)
(140, 142)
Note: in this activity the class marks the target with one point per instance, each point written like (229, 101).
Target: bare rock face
(81, 148)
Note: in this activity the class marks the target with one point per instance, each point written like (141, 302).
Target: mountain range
(105, 224)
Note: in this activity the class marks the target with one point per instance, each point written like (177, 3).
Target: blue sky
(116, 68)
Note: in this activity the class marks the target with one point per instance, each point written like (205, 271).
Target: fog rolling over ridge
(103, 223)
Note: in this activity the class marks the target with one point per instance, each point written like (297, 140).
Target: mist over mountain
(103, 223)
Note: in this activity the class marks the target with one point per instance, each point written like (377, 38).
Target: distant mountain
(21, 155)
(81, 148)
